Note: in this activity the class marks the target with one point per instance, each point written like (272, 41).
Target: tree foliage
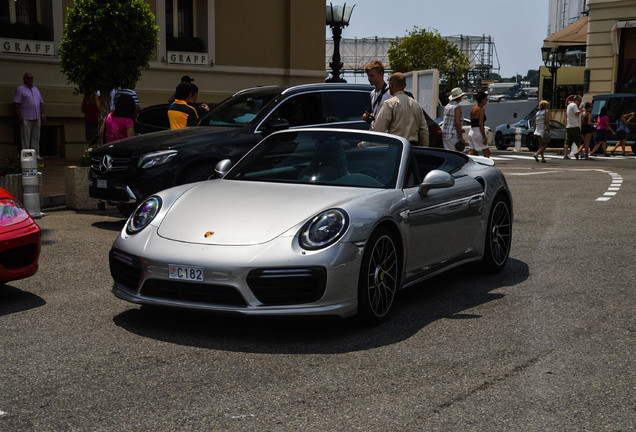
(426, 49)
(105, 43)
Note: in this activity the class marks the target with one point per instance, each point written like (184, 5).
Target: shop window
(181, 27)
(26, 19)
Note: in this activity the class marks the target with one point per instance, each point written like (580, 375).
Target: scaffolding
(356, 53)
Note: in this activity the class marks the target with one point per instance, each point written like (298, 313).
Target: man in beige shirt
(402, 115)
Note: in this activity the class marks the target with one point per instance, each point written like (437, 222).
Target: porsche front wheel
(379, 277)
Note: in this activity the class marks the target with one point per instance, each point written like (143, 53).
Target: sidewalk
(53, 194)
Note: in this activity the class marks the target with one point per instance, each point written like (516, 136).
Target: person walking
(477, 138)
(402, 115)
(120, 123)
(587, 130)
(380, 94)
(452, 132)
(602, 126)
(542, 129)
(90, 108)
(29, 110)
(573, 127)
(622, 130)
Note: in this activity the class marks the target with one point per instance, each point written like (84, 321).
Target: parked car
(20, 240)
(314, 222)
(466, 129)
(505, 134)
(614, 103)
(125, 172)
(515, 92)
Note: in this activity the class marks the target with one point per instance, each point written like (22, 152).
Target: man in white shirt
(573, 128)
(375, 74)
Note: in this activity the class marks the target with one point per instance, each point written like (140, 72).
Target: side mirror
(436, 179)
(274, 125)
(222, 167)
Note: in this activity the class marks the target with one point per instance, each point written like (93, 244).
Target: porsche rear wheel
(379, 277)
(498, 235)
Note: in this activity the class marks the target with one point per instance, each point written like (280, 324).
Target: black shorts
(621, 135)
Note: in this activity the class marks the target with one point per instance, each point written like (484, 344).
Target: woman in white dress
(542, 129)
(477, 138)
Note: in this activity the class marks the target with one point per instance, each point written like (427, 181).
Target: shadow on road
(116, 225)
(444, 296)
(13, 300)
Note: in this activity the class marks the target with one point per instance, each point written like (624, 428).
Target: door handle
(476, 200)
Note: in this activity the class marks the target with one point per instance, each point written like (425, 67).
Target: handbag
(460, 146)
(545, 135)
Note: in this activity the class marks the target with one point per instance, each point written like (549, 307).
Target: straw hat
(456, 93)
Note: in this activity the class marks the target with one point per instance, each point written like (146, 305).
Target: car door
(344, 108)
(444, 224)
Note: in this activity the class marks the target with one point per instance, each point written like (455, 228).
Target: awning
(574, 34)
(614, 34)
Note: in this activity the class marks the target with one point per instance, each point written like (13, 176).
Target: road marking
(612, 190)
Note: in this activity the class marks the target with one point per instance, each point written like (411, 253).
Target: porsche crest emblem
(209, 234)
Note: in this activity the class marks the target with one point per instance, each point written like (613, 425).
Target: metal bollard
(518, 139)
(30, 186)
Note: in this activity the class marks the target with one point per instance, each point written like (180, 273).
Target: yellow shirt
(181, 114)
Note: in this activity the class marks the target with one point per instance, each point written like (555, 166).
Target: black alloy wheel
(498, 235)
(379, 277)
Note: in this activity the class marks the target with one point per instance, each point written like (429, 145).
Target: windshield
(323, 157)
(238, 110)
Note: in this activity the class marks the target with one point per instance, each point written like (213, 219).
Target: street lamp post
(337, 18)
(553, 60)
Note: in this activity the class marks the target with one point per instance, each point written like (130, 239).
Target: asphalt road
(548, 344)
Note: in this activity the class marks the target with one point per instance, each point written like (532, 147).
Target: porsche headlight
(144, 214)
(157, 158)
(324, 229)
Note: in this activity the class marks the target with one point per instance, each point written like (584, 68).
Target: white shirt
(573, 115)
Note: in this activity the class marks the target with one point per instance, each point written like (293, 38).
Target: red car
(20, 240)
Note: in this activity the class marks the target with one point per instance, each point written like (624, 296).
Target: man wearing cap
(452, 132)
(184, 80)
(402, 115)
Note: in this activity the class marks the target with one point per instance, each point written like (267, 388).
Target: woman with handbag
(452, 132)
(542, 129)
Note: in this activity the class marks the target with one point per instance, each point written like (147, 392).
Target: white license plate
(185, 273)
(102, 184)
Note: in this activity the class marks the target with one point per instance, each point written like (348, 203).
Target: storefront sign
(188, 58)
(28, 47)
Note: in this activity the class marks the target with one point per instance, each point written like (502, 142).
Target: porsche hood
(242, 213)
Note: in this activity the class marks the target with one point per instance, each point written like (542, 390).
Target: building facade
(562, 13)
(225, 46)
(611, 47)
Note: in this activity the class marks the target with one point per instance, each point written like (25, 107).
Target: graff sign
(28, 47)
(189, 58)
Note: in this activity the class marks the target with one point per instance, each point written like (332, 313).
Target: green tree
(106, 43)
(426, 49)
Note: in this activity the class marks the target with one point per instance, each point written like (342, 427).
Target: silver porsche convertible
(314, 222)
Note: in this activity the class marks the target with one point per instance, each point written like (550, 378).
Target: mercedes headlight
(157, 158)
(324, 229)
(144, 214)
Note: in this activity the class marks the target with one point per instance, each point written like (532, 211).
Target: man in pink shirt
(28, 105)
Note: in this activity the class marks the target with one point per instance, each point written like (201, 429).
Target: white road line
(612, 190)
